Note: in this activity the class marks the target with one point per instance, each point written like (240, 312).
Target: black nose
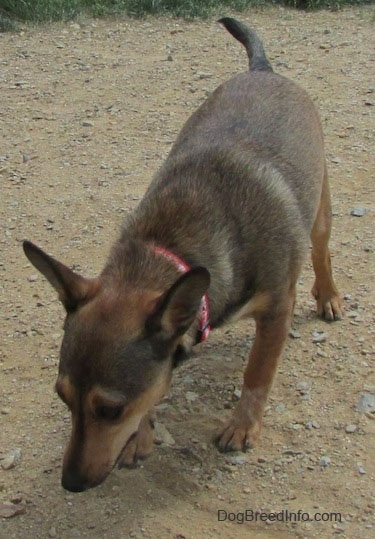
(73, 482)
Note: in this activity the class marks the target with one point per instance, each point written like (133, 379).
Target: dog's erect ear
(179, 306)
(72, 288)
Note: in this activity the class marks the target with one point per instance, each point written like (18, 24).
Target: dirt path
(87, 114)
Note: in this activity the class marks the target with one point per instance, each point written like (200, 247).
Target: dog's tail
(257, 57)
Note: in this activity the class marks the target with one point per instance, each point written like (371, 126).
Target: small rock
(86, 123)
(203, 75)
(336, 160)
(319, 336)
(9, 510)
(5, 411)
(11, 459)
(191, 396)
(309, 424)
(294, 334)
(52, 532)
(162, 436)
(361, 469)
(280, 408)
(324, 461)
(303, 387)
(366, 404)
(237, 394)
(236, 459)
(358, 212)
(32, 278)
(350, 428)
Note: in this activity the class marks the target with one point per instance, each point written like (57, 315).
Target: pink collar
(204, 327)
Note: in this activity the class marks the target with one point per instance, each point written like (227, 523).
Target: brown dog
(224, 226)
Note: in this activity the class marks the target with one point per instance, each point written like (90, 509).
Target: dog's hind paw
(234, 437)
(140, 445)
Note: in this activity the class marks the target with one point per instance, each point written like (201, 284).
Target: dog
(221, 234)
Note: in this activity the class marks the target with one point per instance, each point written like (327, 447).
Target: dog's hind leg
(329, 305)
(272, 328)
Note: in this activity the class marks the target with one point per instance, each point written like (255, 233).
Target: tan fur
(104, 443)
(258, 304)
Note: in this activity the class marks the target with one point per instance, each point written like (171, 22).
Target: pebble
(11, 459)
(294, 334)
(192, 396)
(236, 459)
(324, 461)
(52, 532)
(9, 510)
(366, 403)
(237, 394)
(303, 387)
(203, 75)
(32, 278)
(280, 408)
(319, 336)
(162, 436)
(358, 212)
(311, 424)
(361, 469)
(350, 428)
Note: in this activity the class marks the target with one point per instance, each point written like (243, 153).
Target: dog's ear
(72, 288)
(178, 308)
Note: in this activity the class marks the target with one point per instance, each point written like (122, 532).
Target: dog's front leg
(242, 430)
(141, 443)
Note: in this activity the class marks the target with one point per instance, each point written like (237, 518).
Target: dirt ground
(88, 112)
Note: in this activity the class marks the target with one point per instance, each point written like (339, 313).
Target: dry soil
(88, 112)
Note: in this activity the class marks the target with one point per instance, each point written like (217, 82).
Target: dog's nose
(73, 482)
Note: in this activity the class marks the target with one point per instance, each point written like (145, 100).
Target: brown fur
(241, 191)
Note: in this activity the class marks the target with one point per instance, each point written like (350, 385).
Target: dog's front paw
(236, 437)
(328, 304)
(140, 445)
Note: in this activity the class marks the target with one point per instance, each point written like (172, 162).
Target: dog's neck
(204, 328)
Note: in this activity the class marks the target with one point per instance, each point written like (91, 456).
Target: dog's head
(116, 358)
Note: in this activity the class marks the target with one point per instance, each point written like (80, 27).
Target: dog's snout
(73, 482)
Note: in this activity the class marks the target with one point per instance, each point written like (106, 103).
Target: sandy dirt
(88, 112)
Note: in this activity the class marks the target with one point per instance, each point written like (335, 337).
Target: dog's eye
(109, 413)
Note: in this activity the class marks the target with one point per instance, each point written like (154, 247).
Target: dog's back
(260, 114)
(247, 165)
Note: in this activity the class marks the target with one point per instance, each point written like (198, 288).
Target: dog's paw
(140, 445)
(329, 306)
(236, 437)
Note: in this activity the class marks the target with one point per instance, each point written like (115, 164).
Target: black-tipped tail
(257, 57)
